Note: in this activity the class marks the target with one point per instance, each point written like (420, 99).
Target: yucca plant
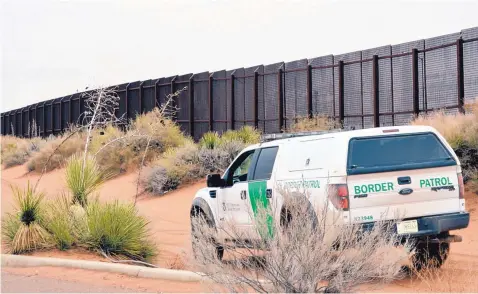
(58, 221)
(117, 229)
(249, 135)
(210, 140)
(83, 177)
(23, 230)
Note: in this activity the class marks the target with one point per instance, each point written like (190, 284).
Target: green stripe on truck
(257, 196)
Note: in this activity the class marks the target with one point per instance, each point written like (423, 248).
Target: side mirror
(215, 181)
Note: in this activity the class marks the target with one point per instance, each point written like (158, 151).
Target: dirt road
(65, 280)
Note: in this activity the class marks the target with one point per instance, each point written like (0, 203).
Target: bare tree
(101, 105)
(307, 250)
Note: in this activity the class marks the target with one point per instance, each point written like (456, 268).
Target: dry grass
(315, 123)
(56, 151)
(452, 277)
(17, 151)
(456, 128)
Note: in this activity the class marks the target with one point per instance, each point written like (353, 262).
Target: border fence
(382, 86)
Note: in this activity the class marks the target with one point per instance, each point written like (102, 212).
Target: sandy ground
(169, 216)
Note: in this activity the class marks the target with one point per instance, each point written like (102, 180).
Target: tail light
(461, 186)
(339, 196)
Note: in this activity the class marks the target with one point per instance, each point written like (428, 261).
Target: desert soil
(169, 216)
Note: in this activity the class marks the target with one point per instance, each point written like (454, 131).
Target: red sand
(169, 216)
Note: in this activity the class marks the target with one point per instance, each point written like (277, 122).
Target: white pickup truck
(376, 172)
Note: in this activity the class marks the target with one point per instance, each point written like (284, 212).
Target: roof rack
(278, 136)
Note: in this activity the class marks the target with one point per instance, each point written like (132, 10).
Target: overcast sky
(54, 48)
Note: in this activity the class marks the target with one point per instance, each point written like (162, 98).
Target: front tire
(197, 242)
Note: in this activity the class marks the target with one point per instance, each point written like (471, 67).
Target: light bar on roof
(278, 136)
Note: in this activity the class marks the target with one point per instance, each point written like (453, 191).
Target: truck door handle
(404, 180)
(269, 193)
(243, 194)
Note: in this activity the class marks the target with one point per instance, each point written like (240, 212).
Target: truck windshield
(399, 152)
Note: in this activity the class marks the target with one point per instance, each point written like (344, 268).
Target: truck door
(232, 199)
(260, 192)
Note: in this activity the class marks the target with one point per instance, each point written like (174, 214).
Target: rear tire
(430, 255)
(196, 244)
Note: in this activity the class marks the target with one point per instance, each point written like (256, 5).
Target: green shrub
(58, 222)
(210, 140)
(78, 223)
(23, 230)
(10, 225)
(83, 177)
(117, 229)
(248, 135)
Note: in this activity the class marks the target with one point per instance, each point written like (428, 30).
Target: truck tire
(198, 213)
(430, 255)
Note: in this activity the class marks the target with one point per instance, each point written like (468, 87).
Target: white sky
(50, 49)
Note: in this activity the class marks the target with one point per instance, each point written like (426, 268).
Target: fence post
(232, 116)
(460, 75)
(52, 117)
(61, 114)
(140, 102)
(211, 118)
(309, 91)
(173, 101)
(415, 84)
(375, 92)
(280, 98)
(341, 93)
(156, 102)
(70, 111)
(191, 105)
(256, 99)
(44, 119)
(21, 123)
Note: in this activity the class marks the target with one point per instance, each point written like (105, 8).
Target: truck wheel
(196, 243)
(430, 255)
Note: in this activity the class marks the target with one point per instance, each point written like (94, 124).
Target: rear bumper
(435, 225)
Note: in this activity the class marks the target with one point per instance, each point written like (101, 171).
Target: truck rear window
(399, 152)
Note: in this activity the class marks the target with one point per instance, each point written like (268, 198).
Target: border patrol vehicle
(374, 172)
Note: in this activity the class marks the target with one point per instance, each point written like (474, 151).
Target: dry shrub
(461, 132)
(314, 123)
(188, 163)
(56, 151)
(307, 250)
(457, 128)
(120, 151)
(17, 151)
(162, 130)
(176, 263)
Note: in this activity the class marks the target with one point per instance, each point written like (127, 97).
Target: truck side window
(265, 163)
(239, 169)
